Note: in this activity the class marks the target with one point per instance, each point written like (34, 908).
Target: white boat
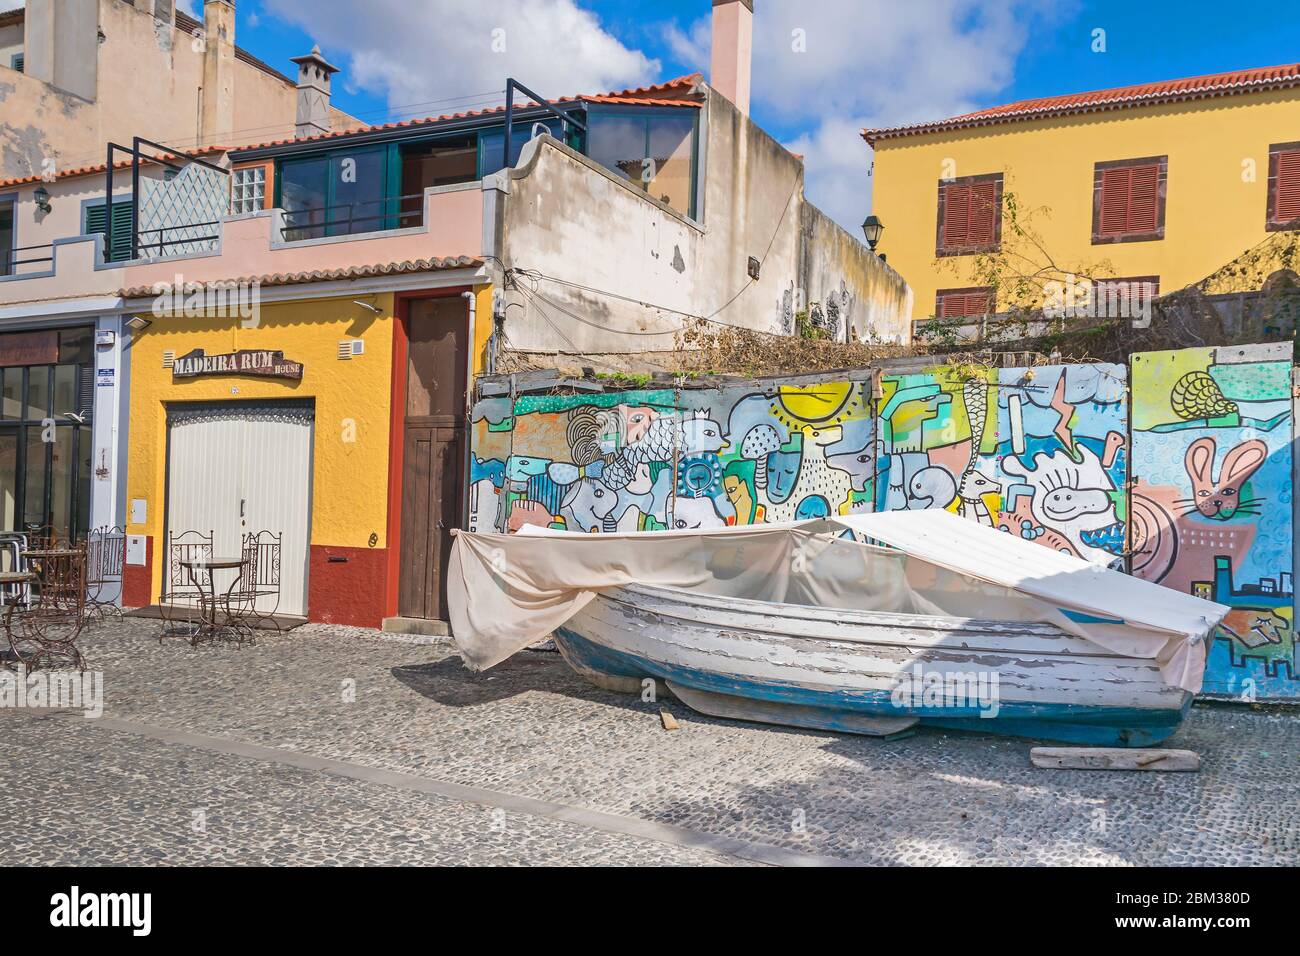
(864, 639)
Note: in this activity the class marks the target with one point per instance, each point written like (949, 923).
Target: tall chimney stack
(733, 47)
(218, 115)
(314, 74)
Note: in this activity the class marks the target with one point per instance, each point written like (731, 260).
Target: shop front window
(652, 148)
(46, 399)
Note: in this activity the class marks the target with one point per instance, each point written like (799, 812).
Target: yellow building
(1164, 183)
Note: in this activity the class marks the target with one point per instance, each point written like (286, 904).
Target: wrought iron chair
(184, 591)
(256, 597)
(46, 633)
(105, 557)
(12, 546)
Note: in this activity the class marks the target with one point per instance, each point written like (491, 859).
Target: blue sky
(873, 62)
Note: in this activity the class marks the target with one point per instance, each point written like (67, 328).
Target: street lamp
(872, 227)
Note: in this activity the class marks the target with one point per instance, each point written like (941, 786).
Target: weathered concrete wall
(645, 268)
(147, 81)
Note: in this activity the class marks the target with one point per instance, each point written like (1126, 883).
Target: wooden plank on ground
(1113, 758)
(668, 720)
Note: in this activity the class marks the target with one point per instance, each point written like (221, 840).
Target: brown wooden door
(433, 454)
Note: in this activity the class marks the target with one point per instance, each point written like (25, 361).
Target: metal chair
(12, 546)
(184, 592)
(256, 597)
(105, 558)
(46, 633)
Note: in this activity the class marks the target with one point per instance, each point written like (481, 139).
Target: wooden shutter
(1287, 203)
(1130, 200)
(956, 216)
(983, 214)
(961, 303)
(118, 247)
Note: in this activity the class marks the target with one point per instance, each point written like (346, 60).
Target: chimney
(314, 74)
(164, 11)
(217, 118)
(733, 45)
(61, 44)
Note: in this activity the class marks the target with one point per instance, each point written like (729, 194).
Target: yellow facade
(352, 404)
(1218, 152)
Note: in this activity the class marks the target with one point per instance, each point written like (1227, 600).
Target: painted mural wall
(1039, 453)
(656, 459)
(1213, 502)
(1201, 502)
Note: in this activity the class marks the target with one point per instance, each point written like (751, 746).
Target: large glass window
(342, 193)
(492, 143)
(652, 148)
(45, 430)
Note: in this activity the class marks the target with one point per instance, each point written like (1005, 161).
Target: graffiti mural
(657, 459)
(1036, 452)
(1212, 501)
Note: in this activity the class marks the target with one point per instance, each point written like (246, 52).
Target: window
(340, 193)
(961, 303)
(652, 148)
(970, 215)
(1124, 298)
(441, 162)
(1128, 200)
(6, 237)
(247, 189)
(492, 143)
(117, 248)
(1283, 186)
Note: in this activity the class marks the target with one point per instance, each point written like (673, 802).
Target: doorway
(433, 451)
(235, 468)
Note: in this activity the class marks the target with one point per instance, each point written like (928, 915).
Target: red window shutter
(1144, 201)
(1288, 187)
(983, 214)
(956, 216)
(1114, 201)
(956, 305)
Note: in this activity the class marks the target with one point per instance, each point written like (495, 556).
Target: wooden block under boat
(1113, 758)
(793, 715)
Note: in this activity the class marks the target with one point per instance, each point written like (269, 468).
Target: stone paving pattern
(531, 727)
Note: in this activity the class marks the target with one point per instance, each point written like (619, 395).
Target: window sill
(967, 250)
(1100, 240)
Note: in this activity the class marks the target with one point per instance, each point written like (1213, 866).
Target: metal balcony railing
(341, 219)
(11, 259)
(166, 247)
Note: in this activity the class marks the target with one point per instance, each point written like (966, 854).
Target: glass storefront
(46, 402)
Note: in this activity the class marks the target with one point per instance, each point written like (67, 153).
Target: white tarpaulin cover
(506, 592)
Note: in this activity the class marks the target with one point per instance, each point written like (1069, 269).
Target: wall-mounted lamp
(138, 323)
(367, 305)
(872, 227)
(42, 197)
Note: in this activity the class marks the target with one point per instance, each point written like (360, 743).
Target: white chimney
(313, 94)
(733, 47)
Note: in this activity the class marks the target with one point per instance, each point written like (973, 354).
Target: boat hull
(842, 673)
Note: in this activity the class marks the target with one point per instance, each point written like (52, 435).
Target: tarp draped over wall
(1064, 456)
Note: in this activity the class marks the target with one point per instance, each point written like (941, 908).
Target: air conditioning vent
(350, 347)
(169, 358)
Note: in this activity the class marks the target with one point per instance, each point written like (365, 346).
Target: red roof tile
(102, 167)
(674, 92)
(1144, 94)
(328, 275)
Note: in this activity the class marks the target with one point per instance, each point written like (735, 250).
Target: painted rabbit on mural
(1221, 499)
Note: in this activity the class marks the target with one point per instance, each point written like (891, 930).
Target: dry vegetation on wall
(1253, 298)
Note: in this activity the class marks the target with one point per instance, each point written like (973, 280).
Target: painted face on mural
(690, 513)
(1220, 499)
(702, 434)
(1066, 504)
(782, 474)
(588, 503)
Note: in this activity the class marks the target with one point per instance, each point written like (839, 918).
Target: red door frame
(397, 427)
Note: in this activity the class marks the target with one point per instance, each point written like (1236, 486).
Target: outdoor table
(210, 626)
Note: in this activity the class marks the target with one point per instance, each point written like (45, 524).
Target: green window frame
(647, 114)
(340, 218)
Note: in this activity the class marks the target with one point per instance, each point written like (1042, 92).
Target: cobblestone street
(333, 745)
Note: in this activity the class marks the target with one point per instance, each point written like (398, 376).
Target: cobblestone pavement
(89, 792)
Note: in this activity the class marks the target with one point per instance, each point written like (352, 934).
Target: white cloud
(418, 53)
(836, 66)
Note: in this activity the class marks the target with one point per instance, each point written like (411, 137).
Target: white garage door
(235, 468)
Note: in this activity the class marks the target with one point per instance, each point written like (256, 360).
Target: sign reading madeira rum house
(263, 362)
